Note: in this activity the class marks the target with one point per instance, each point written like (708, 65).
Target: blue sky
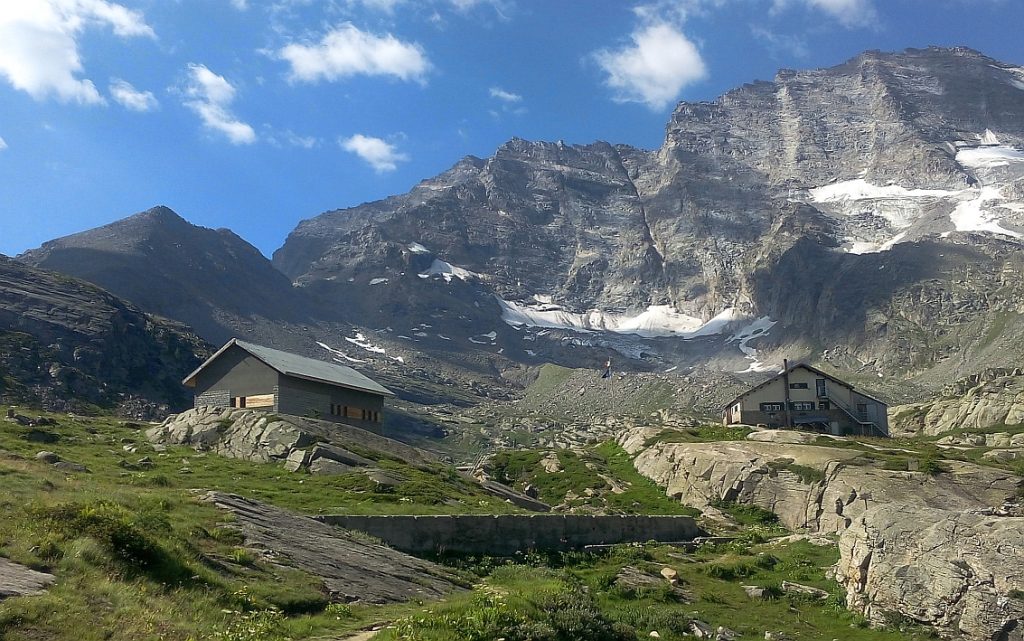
(256, 114)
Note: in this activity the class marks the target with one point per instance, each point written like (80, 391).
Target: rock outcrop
(299, 443)
(66, 344)
(992, 402)
(18, 580)
(821, 489)
(959, 572)
(351, 567)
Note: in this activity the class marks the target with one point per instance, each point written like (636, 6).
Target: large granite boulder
(351, 567)
(297, 442)
(993, 402)
(821, 489)
(959, 572)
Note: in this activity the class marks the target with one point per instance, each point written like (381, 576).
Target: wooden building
(245, 375)
(806, 397)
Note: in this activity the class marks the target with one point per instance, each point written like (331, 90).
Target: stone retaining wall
(506, 534)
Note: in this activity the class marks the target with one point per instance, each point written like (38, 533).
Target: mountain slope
(211, 279)
(66, 344)
(874, 210)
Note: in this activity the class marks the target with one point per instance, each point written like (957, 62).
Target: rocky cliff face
(940, 550)
(958, 572)
(989, 402)
(811, 487)
(67, 344)
(868, 214)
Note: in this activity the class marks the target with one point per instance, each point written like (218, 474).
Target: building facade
(805, 397)
(246, 375)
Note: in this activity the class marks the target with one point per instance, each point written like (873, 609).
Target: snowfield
(655, 321)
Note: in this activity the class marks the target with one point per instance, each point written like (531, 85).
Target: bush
(111, 526)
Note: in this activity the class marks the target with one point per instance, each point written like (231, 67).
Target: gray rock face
(65, 343)
(724, 216)
(18, 580)
(351, 568)
(990, 403)
(957, 571)
(322, 447)
(773, 476)
(167, 266)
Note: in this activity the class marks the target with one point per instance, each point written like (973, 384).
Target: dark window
(802, 406)
(862, 410)
(819, 385)
(798, 386)
(824, 405)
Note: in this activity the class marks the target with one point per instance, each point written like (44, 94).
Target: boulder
(18, 580)
(762, 474)
(47, 457)
(349, 567)
(959, 572)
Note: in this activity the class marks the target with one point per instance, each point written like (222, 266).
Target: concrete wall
(306, 398)
(238, 372)
(504, 535)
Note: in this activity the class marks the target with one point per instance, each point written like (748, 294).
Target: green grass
(703, 434)
(137, 556)
(806, 474)
(580, 599)
(587, 472)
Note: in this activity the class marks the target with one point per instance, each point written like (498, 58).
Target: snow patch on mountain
(861, 189)
(756, 329)
(417, 248)
(973, 215)
(989, 157)
(448, 271)
(655, 321)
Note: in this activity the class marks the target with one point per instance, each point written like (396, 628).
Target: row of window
(355, 412)
(797, 406)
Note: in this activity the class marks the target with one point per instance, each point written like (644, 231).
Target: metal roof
(302, 367)
(812, 369)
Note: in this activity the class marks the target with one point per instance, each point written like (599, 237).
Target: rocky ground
(352, 567)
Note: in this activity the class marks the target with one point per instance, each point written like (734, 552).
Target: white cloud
(655, 68)
(39, 44)
(781, 43)
(210, 95)
(241, 5)
(849, 13)
(347, 51)
(131, 98)
(380, 154)
(505, 96)
(384, 6)
(3, 143)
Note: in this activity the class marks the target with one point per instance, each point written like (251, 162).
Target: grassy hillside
(136, 556)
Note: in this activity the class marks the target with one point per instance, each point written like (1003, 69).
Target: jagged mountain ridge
(66, 344)
(868, 215)
(211, 279)
(808, 179)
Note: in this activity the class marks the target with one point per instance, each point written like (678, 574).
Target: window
(238, 401)
(802, 406)
(824, 405)
(798, 386)
(771, 407)
(819, 385)
(862, 410)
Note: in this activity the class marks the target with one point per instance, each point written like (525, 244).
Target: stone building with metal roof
(242, 374)
(807, 398)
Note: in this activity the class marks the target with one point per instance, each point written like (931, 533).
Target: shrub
(111, 526)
